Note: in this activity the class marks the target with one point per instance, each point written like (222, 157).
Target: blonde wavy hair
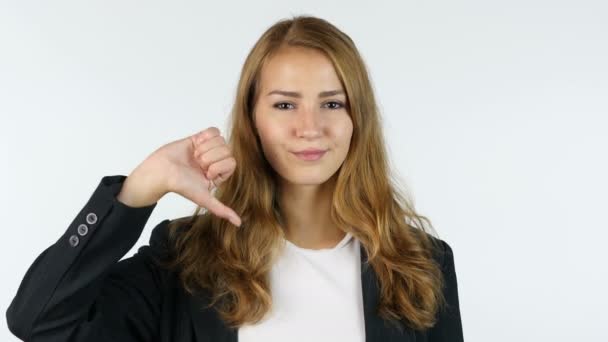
(231, 264)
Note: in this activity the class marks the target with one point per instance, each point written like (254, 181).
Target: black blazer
(78, 289)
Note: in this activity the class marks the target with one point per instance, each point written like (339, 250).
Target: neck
(306, 209)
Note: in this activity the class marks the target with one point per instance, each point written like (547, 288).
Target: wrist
(139, 190)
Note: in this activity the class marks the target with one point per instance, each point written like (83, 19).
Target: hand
(191, 167)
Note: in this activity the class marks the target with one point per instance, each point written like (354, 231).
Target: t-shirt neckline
(340, 244)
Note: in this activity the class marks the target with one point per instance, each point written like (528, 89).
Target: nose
(308, 123)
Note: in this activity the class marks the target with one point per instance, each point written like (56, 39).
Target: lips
(310, 151)
(310, 154)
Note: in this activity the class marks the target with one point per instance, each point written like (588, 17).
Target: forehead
(298, 67)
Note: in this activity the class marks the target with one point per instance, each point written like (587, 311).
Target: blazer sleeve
(449, 324)
(78, 289)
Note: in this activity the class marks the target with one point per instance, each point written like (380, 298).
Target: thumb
(220, 209)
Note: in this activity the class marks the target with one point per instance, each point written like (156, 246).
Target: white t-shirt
(316, 296)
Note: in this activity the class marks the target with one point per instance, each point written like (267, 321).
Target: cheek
(344, 132)
(270, 136)
(263, 127)
(270, 133)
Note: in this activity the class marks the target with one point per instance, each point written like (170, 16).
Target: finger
(221, 170)
(211, 151)
(199, 190)
(220, 209)
(205, 160)
(206, 134)
(209, 144)
(212, 184)
(202, 196)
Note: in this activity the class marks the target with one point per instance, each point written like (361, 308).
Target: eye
(333, 105)
(339, 104)
(278, 105)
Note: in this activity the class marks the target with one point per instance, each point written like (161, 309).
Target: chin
(306, 178)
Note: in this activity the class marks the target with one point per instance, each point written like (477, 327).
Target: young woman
(300, 233)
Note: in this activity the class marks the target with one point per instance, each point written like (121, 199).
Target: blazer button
(83, 229)
(74, 240)
(91, 218)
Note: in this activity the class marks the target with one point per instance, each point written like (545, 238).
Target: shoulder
(161, 237)
(441, 250)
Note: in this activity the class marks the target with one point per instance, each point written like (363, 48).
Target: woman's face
(298, 109)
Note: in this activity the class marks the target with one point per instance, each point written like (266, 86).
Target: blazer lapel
(209, 327)
(376, 328)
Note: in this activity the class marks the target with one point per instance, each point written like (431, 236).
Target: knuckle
(212, 168)
(213, 131)
(203, 159)
(206, 135)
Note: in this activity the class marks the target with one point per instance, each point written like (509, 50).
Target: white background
(495, 115)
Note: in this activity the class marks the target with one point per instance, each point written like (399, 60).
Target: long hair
(231, 264)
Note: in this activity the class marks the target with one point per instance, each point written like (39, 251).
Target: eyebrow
(298, 95)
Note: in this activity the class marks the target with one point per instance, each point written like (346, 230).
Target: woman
(307, 239)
